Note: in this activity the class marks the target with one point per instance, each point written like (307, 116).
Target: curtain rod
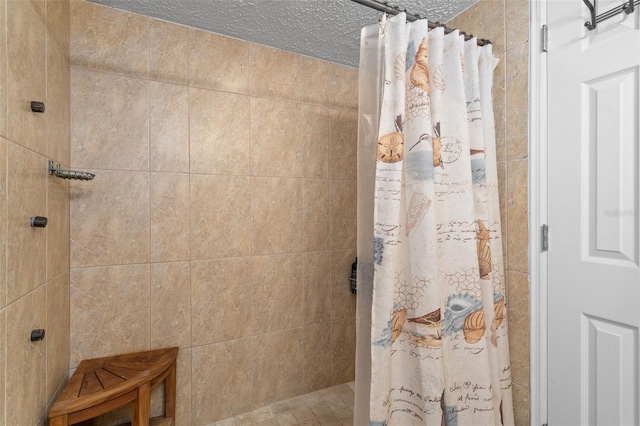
(394, 10)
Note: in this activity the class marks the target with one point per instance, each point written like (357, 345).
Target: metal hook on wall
(591, 25)
(628, 9)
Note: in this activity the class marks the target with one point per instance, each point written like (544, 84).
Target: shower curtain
(438, 336)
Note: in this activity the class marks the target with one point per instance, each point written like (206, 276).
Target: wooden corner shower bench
(101, 385)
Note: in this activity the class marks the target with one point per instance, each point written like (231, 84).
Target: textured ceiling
(325, 29)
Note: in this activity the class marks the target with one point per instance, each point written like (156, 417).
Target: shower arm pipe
(394, 10)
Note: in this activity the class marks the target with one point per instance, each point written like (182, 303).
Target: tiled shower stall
(222, 218)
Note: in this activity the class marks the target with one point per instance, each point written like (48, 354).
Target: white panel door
(593, 217)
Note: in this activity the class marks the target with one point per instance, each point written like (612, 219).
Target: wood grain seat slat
(122, 372)
(107, 378)
(102, 384)
(90, 384)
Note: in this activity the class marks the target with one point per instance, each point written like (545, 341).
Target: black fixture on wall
(353, 279)
(37, 106)
(37, 335)
(38, 222)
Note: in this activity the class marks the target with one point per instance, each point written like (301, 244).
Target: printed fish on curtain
(439, 325)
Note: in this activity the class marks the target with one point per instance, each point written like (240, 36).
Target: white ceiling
(325, 29)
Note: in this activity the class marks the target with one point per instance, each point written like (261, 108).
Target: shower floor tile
(327, 407)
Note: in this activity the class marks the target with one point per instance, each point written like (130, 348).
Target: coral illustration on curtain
(439, 325)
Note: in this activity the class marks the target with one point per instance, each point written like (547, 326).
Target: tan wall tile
(277, 292)
(276, 134)
(57, 107)
(502, 194)
(227, 367)
(26, 197)
(315, 195)
(219, 132)
(156, 402)
(218, 62)
(317, 356)
(58, 25)
(517, 22)
(169, 197)
(343, 145)
(274, 73)
(517, 106)
(499, 105)
(109, 311)
(25, 379)
(220, 216)
(221, 299)
(343, 302)
(231, 216)
(110, 219)
(343, 350)
(170, 305)
(113, 134)
(58, 226)
(485, 19)
(107, 39)
(315, 141)
(115, 417)
(3, 349)
(183, 389)
(168, 127)
(57, 332)
(499, 72)
(168, 52)
(32, 45)
(3, 69)
(343, 213)
(3, 223)
(499, 114)
(26, 61)
(276, 214)
(343, 87)
(521, 406)
(517, 216)
(317, 287)
(518, 317)
(314, 80)
(279, 366)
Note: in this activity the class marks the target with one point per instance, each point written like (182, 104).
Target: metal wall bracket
(628, 7)
(69, 174)
(591, 25)
(544, 233)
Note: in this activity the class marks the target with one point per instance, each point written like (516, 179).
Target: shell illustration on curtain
(439, 349)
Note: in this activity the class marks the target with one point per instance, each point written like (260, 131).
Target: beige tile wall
(506, 24)
(223, 216)
(34, 262)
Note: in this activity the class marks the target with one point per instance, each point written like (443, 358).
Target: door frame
(538, 196)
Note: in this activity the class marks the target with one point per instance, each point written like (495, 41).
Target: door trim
(538, 194)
